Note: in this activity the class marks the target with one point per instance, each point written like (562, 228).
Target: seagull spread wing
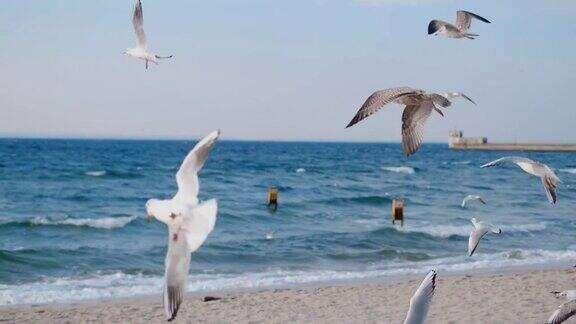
(187, 176)
(507, 159)
(564, 312)
(198, 221)
(464, 20)
(379, 99)
(138, 22)
(413, 121)
(436, 25)
(476, 235)
(199, 224)
(420, 301)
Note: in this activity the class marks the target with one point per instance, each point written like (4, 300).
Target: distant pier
(457, 141)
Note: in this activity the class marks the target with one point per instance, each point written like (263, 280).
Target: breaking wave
(119, 284)
(400, 169)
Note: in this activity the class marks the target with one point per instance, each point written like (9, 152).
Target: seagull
(419, 107)
(141, 50)
(548, 177)
(450, 95)
(478, 231)
(563, 312)
(189, 223)
(421, 299)
(568, 294)
(472, 198)
(463, 22)
(270, 235)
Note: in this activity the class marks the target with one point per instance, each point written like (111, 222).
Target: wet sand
(510, 297)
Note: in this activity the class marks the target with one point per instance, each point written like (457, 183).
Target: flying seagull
(463, 22)
(141, 50)
(548, 177)
(189, 223)
(419, 107)
(478, 231)
(451, 95)
(420, 301)
(563, 312)
(471, 198)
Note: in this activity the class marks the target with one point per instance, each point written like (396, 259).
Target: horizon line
(167, 138)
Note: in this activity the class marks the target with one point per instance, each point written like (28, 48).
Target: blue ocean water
(73, 227)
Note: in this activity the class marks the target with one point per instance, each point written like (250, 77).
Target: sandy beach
(511, 297)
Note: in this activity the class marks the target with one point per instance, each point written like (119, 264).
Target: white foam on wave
(445, 231)
(96, 173)
(117, 285)
(300, 170)
(400, 169)
(568, 170)
(102, 223)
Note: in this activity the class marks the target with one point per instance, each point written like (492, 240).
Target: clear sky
(283, 70)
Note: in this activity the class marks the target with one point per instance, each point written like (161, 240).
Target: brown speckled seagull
(419, 107)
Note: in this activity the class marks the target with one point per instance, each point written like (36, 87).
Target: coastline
(498, 297)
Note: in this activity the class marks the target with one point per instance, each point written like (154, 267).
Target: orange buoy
(273, 197)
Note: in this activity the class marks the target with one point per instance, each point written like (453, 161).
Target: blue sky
(290, 70)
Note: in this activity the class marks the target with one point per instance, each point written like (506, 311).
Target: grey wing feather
(138, 22)
(506, 159)
(420, 301)
(379, 99)
(464, 20)
(564, 312)
(413, 121)
(475, 236)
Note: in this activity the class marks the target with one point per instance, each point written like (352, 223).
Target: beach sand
(508, 297)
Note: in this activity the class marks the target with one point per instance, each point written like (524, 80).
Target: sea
(73, 225)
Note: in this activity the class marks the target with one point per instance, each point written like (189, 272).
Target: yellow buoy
(273, 196)
(398, 211)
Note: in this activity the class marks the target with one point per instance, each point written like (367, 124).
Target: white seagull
(564, 311)
(270, 235)
(463, 22)
(420, 301)
(567, 294)
(189, 223)
(478, 231)
(141, 50)
(541, 170)
(470, 198)
(419, 107)
(450, 95)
